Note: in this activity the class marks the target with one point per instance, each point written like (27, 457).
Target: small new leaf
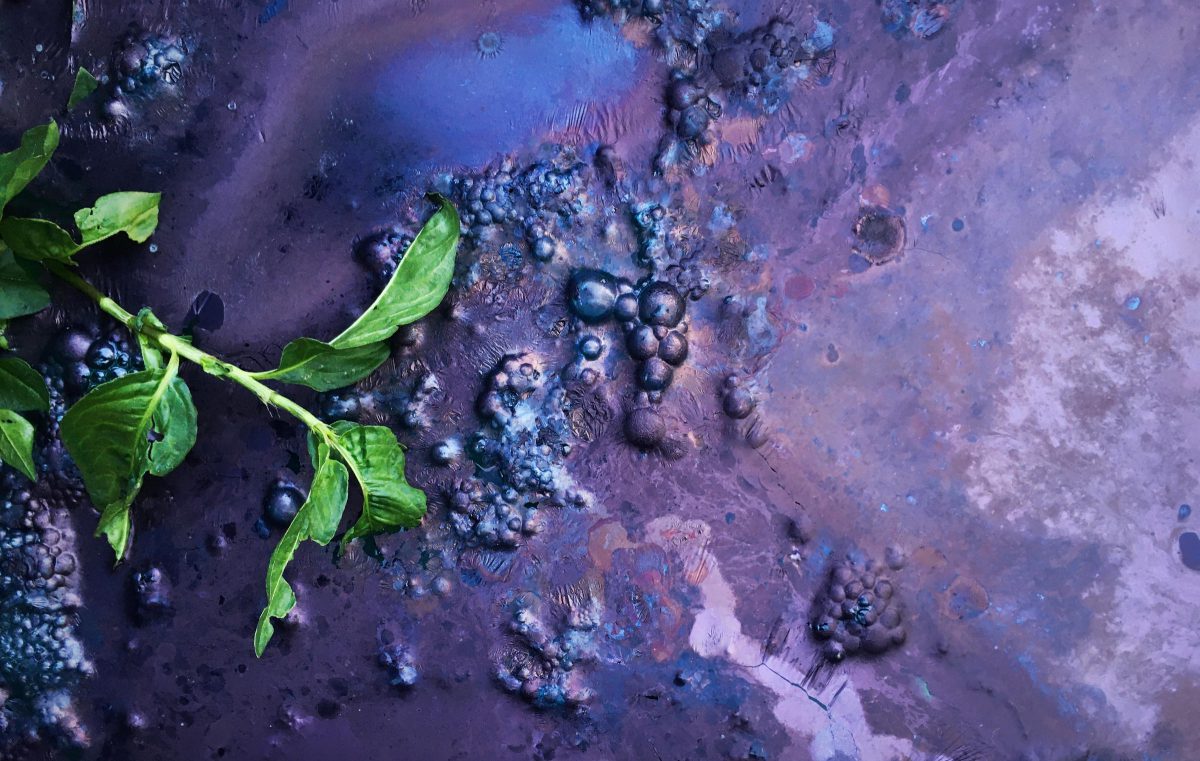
(108, 433)
(377, 461)
(20, 293)
(21, 387)
(19, 167)
(320, 366)
(317, 521)
(418, 285)
(85, 85)
(16, 443)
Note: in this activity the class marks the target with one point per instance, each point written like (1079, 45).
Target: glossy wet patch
(464, 99)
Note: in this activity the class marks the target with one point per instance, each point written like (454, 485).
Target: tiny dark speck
(902, 92)
(958, 225)
(729, 518)
(327, 709)
(1189, 549)
(1184, 511)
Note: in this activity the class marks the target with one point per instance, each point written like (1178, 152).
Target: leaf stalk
(213, 365)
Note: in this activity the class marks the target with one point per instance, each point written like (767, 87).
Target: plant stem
(172, 343)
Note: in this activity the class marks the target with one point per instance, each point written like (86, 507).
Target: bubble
(738, 403)
(282, 502)
(71, 345)
(682, 93)
(489, 44)
(626, 308)
(590, 347)
(655, 375)
(660, 304)
(645, 427)
(692, 123)
(673, 348)
(592, 294)
(641, 343)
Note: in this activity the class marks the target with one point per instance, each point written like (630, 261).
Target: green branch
(144, 423)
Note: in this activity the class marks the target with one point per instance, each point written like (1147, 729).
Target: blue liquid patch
(449, 105)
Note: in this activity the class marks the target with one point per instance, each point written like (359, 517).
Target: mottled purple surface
(993, 397)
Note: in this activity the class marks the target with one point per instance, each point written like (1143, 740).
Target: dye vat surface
(816, 383)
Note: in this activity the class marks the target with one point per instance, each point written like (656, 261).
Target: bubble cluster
(41, 659)
(762, 64)
(381, 251)
(857, 611)
(656, 336)
(80, 358)
(527, 436)
(542, 664)
(144, 66)
(690, 108)
(722, 70)
(485, 516)
(406, 400)
(651, 318)
(143, 62)
(535, 199)
(680, 26)
(650, 221)
(622, 9)
(736, 400)
(920, 18)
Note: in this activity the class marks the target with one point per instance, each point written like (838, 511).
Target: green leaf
(21, 387)
(18, 167)
(175, 424)
(20, 293)
(108, 434)
(114, 522)
(85, 85)
(38, 239)
(316, 364)
(317, 521)
(16, 443)
(377, 461)
(152, 356)
(132, 213)
(129, 212)
(416, 288)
